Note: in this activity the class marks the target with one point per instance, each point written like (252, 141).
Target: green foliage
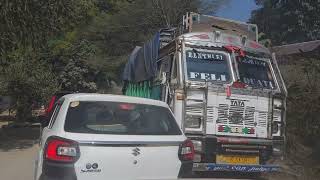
(76, 77)
(288, 21)
(27, 80)
(303, 81)
(25, 62)
(76, 45)
(71, 61)
(131, 23)
(33, 22)
(264, 40)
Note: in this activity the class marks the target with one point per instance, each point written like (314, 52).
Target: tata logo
(236, 118)
(236, 102)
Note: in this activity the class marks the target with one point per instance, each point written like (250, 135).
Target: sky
(237, 9)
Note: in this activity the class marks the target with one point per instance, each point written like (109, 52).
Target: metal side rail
(234, 168)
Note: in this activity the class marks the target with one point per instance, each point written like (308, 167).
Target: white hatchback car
(99, 137)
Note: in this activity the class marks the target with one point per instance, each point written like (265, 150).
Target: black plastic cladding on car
(186, 166)
(186, 169)
(58, 171)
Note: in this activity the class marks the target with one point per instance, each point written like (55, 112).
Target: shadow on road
(18, 138)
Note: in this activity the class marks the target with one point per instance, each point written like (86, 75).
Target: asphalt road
(18, 149)
(17, 164)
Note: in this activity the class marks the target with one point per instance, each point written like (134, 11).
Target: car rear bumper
(235, 168)
(58, 171)
(186, 169)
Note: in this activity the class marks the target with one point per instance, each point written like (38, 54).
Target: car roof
(113, 98)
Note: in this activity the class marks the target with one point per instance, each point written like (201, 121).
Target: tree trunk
(24, 110)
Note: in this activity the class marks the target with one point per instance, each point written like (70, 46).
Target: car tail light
(61, 150)
(186, 151)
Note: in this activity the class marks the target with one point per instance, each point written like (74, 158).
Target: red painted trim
(228, 91)
(51, 105)
(235, 49)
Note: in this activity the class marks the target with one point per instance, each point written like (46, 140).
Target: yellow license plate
(230, 159)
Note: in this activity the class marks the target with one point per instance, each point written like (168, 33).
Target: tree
(294, 21)
(78, 45)
(303, 82)
(26, 27)
(131, 23)
(27, 80)
(286, 21)
(76, 77)
(33, 22)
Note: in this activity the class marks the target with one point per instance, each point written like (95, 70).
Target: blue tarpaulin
(142, 64)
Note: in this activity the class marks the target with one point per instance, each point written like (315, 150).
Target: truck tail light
(180, 96)
(251, 131)
(61, 150)
(221, 128)
(186, 151)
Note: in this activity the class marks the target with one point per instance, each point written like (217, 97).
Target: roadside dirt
(18, 138)
(18, 147)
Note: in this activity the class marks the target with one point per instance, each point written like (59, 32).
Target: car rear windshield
(255, 72)
(101, 117)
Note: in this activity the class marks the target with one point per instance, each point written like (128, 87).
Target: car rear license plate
(233, 159)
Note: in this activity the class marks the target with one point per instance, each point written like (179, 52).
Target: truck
(224, 88)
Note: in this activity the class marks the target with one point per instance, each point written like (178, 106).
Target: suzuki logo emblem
(136, 151)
